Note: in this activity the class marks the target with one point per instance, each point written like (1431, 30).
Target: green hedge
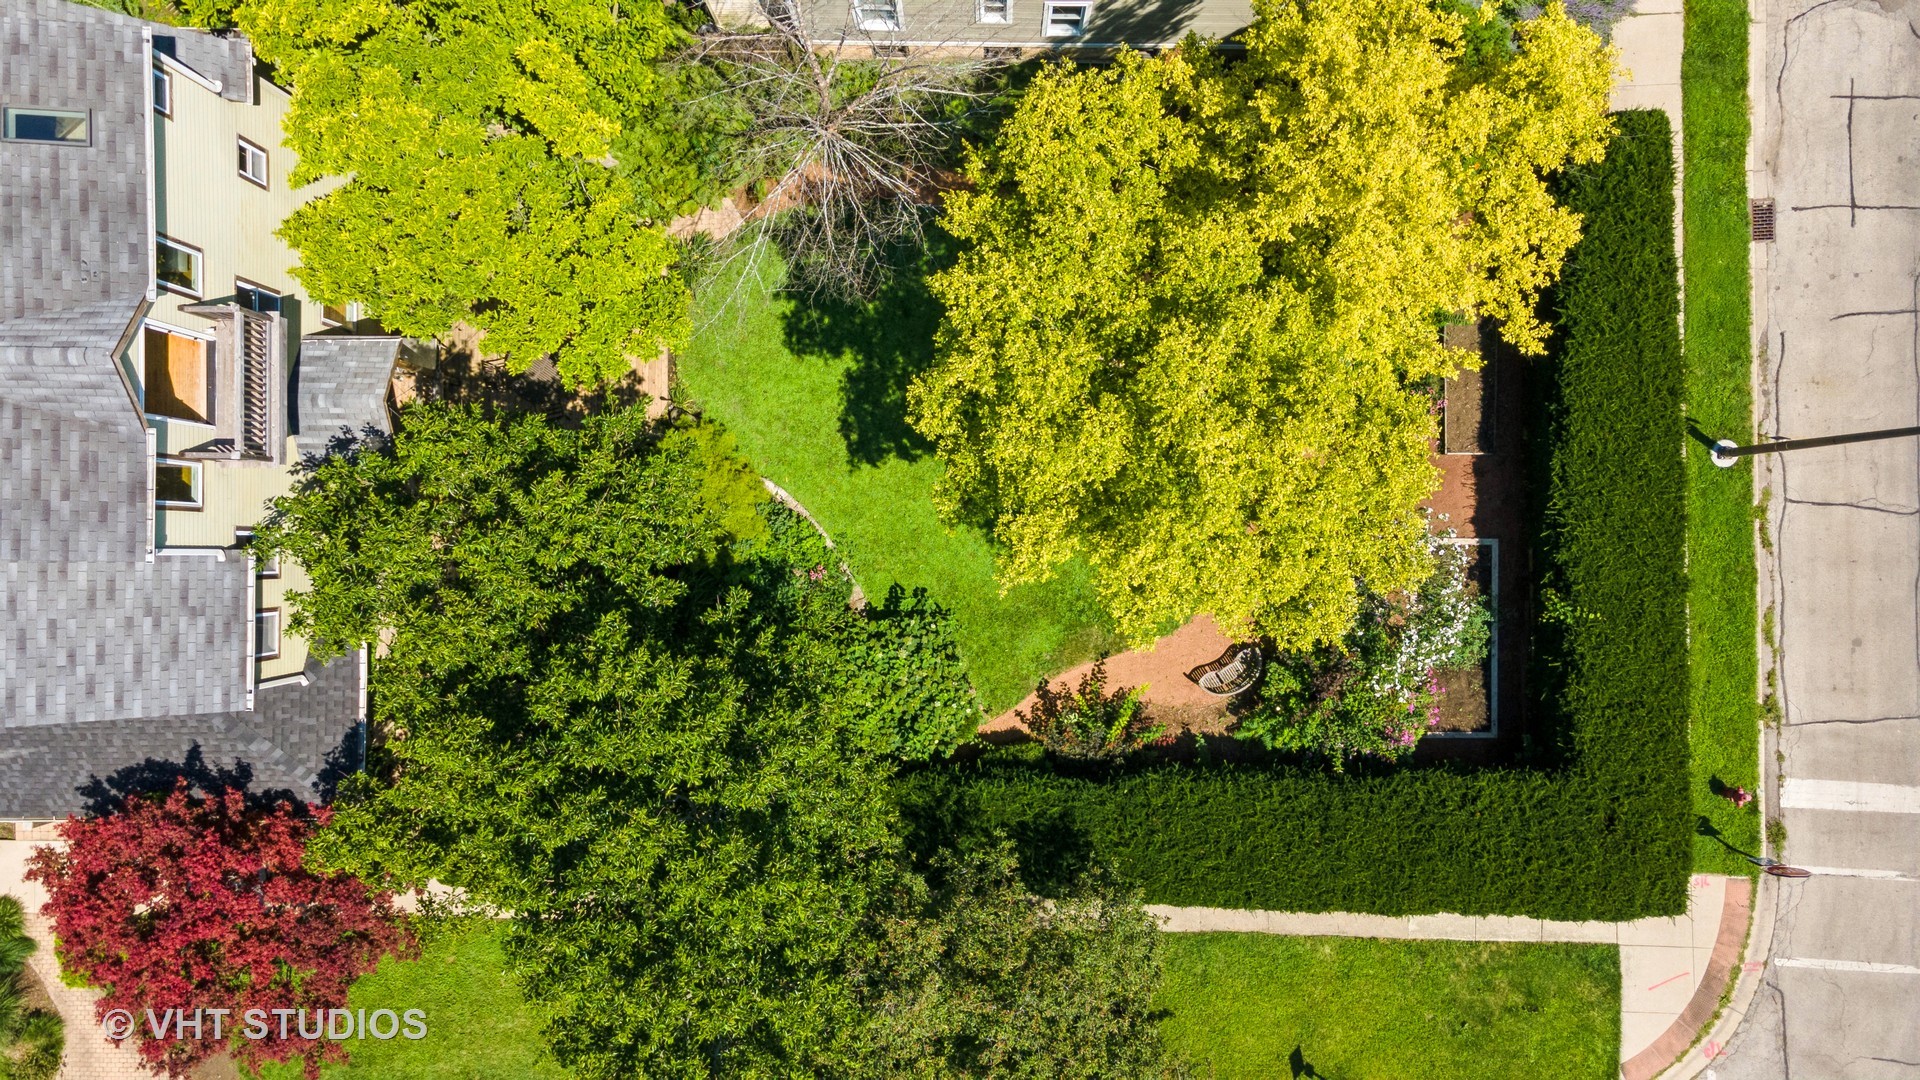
(1604, 832)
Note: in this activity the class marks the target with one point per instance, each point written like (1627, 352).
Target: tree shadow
(157, 776)
(890, 341)
(1705, 828)
(1301, 1068)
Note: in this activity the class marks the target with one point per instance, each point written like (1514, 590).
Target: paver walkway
(1672, 970)
(89, 1055)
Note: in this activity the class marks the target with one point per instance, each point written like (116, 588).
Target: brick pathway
(89, 1055)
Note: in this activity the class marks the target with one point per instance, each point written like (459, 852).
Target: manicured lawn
(478, 1027)
(816, 395)
(1721, 601)
(1258, 1005)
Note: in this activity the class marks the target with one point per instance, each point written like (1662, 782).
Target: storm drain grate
(1760, 213)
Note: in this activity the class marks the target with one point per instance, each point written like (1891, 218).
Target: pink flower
(818, 573)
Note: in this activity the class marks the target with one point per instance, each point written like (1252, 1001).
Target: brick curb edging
(1679, 1037)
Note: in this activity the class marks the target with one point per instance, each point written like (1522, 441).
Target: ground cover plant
(1595, 824)
(1246, 1006)
(1721, 602)
(815, 394)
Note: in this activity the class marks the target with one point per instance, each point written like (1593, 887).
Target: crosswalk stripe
(1847, 965)
(1797, 794)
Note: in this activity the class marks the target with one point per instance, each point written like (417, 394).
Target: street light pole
(1725, 453)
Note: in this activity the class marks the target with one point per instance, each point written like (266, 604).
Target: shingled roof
(116, 662)
(75, 224)
(342, 388)
(93, 629)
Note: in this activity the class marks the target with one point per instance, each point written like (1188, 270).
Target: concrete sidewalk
(1672, 970)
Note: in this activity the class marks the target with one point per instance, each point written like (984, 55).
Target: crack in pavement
(1865, 505)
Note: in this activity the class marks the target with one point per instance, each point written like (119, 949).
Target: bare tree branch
(853, 145)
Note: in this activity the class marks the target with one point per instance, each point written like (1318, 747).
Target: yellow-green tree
(509, 166)
(1198, 302)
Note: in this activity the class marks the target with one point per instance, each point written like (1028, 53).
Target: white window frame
(194, 470)
(199, 267)
(980, 13)
(12, 116)
(247, 147)
(162, 91)
(1047, 22)
(895, 24)
(266, 617)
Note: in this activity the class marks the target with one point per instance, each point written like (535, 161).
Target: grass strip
(1261, 1005)
(1721, 602)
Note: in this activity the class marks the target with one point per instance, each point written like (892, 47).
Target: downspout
(253, 629)
(153, 214)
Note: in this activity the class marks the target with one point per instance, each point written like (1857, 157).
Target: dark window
(256, 297)
(162, 92)
(49, 125)
(177, 484)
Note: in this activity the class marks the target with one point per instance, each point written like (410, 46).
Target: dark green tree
(642, 736)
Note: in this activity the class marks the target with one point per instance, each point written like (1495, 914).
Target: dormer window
(50, 126)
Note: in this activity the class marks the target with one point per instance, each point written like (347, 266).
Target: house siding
(955, 23)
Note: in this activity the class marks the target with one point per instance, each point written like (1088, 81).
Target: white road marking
(1848, 965)
(1851, 871)
(1853, 795)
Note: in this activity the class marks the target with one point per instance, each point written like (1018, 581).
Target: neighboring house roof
(342, 388)
(224, 60)
(299, 739)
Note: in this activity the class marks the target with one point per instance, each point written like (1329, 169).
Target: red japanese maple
(192, 902)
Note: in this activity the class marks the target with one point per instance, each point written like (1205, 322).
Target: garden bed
(1469, 698)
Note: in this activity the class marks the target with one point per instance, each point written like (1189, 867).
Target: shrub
(1596, 829)
(920, 703)
(1087, 723)
(1373, 693)
(31, 1040)
(180, 899)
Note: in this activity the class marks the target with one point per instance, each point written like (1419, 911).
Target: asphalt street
(1839, 140)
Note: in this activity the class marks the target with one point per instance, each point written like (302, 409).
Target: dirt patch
(1464, 701)
(1171, 699)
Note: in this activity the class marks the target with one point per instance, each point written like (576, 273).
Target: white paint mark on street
(1797, 794)
(1848, 965)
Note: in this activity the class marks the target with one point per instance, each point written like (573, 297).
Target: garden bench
(1234, 671)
